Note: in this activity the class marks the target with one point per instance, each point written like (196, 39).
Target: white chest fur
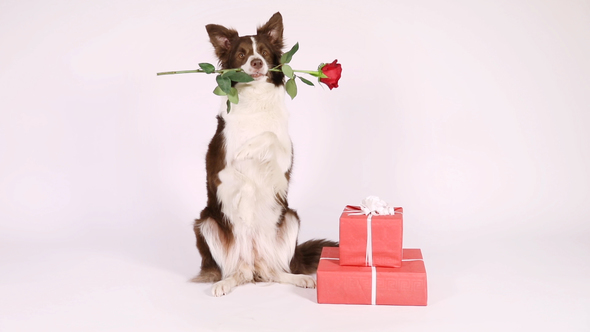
(258, 154)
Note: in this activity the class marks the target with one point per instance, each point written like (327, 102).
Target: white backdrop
(473, 116)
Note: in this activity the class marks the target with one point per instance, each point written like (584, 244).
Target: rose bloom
(333, 71)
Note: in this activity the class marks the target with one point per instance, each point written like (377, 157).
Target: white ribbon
(373, 285)
(372, 206)
(369, 250)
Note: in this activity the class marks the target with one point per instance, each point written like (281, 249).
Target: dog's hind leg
(215, 244)
(286, 242)
(210, 271)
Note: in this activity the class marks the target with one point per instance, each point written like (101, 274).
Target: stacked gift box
(370, 266)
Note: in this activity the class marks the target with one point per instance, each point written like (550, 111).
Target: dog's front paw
(221, 288)
(305, 281)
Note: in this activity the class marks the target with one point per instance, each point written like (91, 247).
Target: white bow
(377, 206)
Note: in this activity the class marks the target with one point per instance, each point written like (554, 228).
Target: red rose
(333, 71)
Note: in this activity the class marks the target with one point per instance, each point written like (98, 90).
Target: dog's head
(254, 54)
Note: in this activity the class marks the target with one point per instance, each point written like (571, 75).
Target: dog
(247, 232)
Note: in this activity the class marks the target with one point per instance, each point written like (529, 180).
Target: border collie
(247, 232)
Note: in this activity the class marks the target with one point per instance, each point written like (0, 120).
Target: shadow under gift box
(386, 238)
(405, 285)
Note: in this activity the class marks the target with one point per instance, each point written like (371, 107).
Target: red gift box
(385, 238)
(405, 285)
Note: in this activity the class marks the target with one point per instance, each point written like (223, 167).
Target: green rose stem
(221, 71)
(181, 72)
(315, 73)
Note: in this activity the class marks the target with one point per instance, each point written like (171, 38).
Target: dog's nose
(256, 63)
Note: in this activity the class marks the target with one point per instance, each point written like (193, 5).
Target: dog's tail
(307, 256)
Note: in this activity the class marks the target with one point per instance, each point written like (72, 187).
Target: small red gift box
(383, 232)
(405, 285)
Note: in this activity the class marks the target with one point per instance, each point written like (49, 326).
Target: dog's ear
(221, 38)
(273, 30)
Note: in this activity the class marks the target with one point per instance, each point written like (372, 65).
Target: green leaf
(291, 88)
(207, 67)
(308, 82)
(233, 95)
(286, 58)
(288, 71)
(238, 76)
(219, 92)
(228, 106)
(224, 83)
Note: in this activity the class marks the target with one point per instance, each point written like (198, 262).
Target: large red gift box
(405, 285)
(386, 238)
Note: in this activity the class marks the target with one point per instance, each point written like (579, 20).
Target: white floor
(477, 284)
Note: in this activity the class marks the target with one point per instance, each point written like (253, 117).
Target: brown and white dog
(247, 232)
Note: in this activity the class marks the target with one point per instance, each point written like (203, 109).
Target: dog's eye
(241, 55)
(265, 53)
